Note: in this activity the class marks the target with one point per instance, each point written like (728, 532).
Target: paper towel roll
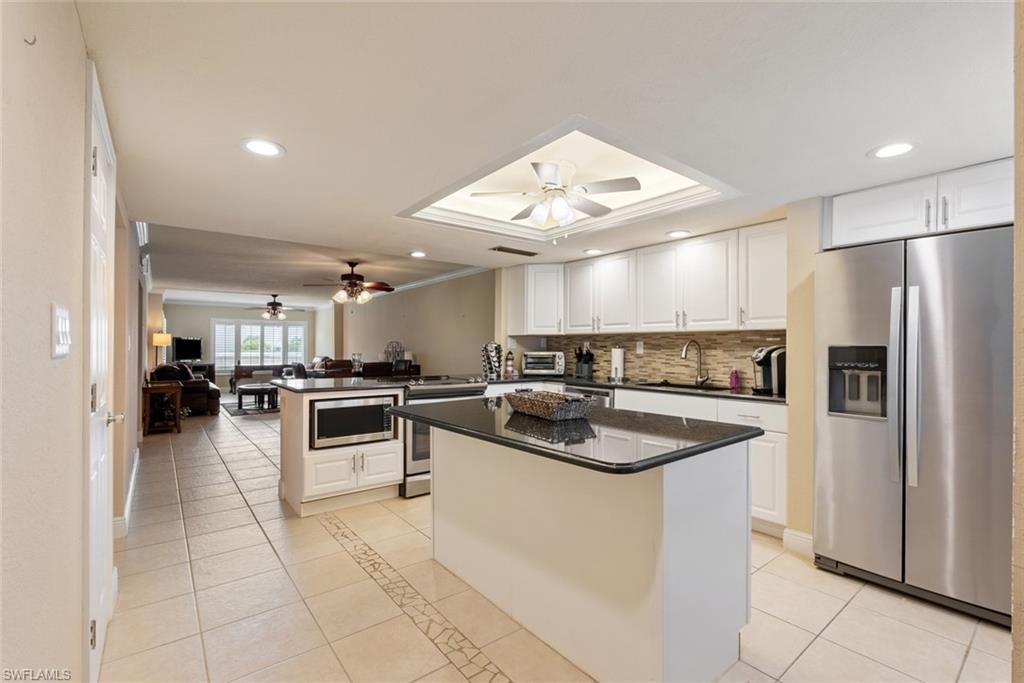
(618, 362)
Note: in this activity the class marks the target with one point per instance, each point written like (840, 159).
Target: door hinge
(92, 634)
(92, 397)
(94, 152)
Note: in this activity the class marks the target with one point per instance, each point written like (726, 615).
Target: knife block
(584, 370)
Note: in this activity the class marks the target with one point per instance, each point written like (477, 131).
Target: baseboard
(767, 528)
(798, 543)
(121, 523)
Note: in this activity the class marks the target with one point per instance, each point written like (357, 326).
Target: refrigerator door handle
(893, 394)
(913, 386)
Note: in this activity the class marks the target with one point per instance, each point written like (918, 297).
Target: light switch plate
(639, 348)
(60, 331)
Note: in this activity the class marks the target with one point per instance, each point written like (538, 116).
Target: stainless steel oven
(347, 421)
(543, 363)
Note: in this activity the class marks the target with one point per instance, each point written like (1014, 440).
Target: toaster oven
(543, 363)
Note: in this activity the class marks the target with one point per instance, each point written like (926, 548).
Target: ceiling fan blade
(493, 194)
(588, 207)
(525, 213)
(611, 185)
(336, 285)
(547, 173)
(378, 286)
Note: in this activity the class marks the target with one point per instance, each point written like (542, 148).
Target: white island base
(641, 576)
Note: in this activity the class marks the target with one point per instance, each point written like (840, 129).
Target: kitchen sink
(692, 387)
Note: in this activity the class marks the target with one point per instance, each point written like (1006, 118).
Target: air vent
(517, 252)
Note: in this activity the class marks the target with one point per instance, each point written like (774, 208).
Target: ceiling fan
(274, 309)
(353, 286)
(558, 199)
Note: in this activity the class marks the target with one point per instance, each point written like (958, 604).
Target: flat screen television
(186, 349)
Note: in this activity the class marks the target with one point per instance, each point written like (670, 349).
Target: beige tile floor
(218, 582)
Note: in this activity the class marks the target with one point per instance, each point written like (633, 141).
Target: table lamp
(160, 340)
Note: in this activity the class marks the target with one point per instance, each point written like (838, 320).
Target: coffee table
(264, 395)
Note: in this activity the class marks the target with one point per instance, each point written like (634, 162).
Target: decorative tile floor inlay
(453, 644)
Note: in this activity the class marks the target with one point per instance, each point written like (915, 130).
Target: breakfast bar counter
(622, 540)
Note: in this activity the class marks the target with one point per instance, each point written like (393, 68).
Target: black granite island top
(304, 386)
(665, 439)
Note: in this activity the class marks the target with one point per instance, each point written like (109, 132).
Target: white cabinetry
(709, 285)
(768, 477)
(976, 196)
(658, 291)
(762, 273)
(665, 403)
(380, 464)
(580, 311)
(884, 213)
(329, 473)
(616, 292)
(973, 197)
(544, 299)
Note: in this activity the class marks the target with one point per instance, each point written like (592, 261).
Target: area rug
(233, 410)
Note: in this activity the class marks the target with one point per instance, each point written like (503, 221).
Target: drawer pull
(749, 417)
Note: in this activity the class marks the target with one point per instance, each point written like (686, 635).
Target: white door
(768, 477)
(544, 299)
(380, 464)
(976, 196)
(100, 301)
(329, 472)
(709, 284)
(616, 292)
(580, 315)
(884, 213)
(762, 272)
(658, 305)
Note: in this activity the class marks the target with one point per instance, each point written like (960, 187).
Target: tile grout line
(967, 651)
(430, 621)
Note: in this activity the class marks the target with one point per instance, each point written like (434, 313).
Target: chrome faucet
(701, 378)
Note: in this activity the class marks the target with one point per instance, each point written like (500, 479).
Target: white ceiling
(210, 267)
(381, 105)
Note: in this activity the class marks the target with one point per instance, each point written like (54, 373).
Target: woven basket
(549, 405)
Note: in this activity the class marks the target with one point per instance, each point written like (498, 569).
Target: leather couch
(198, 394)
(242, 373)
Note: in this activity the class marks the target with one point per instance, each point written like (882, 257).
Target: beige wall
(42, 230)
(127, 381)
(154, 323)
(1018, 358)
(803, 237)
(323, 337)
(443, 324)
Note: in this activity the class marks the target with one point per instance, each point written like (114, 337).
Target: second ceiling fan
(558, 199)
(353, 286)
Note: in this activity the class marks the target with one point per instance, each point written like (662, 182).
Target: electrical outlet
(639, 348)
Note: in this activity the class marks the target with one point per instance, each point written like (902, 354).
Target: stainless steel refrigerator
(913, 416)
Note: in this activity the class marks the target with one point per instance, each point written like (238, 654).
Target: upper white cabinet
(762, 273)
(658, 306)
(976, 196)
(972, 197)
(884, 213)
(544, 299)
(580, 308)
(616, 292)
(709, 285)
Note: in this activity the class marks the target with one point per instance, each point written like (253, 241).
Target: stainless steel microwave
(347, 421)
(543, 363)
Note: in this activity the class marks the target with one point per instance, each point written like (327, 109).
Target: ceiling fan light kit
(353, 287)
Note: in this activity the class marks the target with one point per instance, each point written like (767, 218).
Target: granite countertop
(639, 385)
(655, 439)
(303, 386)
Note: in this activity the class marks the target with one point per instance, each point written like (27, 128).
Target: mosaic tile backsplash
(661, 359)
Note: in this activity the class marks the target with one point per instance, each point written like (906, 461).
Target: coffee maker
(769, 370)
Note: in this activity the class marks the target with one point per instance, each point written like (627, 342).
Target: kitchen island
(623, 540)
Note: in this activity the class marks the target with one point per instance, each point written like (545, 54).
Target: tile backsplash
(661, 359)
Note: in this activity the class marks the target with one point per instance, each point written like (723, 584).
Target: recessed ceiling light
(894, 149)
(263, 148)
(417, 254)
(679, 233)
(593, 252)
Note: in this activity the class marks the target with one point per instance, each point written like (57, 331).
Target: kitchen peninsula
(622, 540)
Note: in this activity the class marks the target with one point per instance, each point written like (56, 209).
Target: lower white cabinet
(339, 470)
(664, 403)
(768, 477)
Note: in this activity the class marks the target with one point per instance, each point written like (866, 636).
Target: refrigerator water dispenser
(857, 381)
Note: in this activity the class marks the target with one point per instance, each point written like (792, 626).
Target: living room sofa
(242, 373)
(199, 393)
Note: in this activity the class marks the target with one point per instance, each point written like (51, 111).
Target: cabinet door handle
(945, 212)
(749, 417)
(559, 324)
(684, 317)
(743, 316)
(362, 461)
(677, 320)
(927, 213)
(598, 323)
(354, 463)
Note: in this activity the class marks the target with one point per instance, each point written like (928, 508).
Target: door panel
(768, 477)
(544, 299)
(380, 464)
(709, 281)
(616, 287)
(579, 297)
(959, 511)
(976, 196)
(658, 306)
(857, 490)
(885, 213)
(762, 272)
